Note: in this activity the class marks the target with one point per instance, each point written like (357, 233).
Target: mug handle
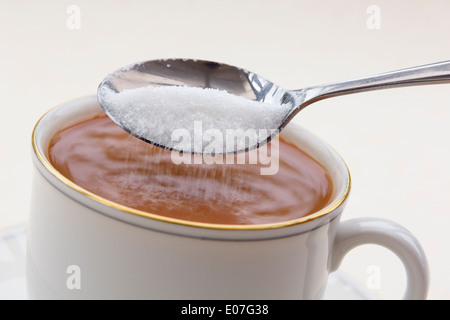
(360, 231)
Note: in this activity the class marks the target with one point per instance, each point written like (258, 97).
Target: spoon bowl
(261, 99)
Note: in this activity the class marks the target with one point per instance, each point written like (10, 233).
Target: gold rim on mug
(328, 209)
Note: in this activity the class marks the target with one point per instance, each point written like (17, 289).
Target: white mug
(81, 246)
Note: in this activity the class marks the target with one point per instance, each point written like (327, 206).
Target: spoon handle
(427, 74)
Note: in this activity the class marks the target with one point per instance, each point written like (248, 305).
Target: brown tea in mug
(100, 157)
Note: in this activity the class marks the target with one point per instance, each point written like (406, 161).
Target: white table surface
(395, 142)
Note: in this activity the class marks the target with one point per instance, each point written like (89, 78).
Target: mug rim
(331, 207)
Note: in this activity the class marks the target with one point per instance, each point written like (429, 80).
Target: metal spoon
(246, 84)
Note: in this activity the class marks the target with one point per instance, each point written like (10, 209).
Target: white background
(395, 142)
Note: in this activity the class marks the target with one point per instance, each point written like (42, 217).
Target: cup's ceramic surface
(81, 246)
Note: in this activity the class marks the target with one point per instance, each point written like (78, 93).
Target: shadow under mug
(81, 246)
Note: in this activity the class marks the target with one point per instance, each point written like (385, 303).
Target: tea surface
(102, 158)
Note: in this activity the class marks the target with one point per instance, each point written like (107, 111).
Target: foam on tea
(102, 158)
(155, 113)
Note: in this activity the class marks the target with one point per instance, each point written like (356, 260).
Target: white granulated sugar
(193, 119)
